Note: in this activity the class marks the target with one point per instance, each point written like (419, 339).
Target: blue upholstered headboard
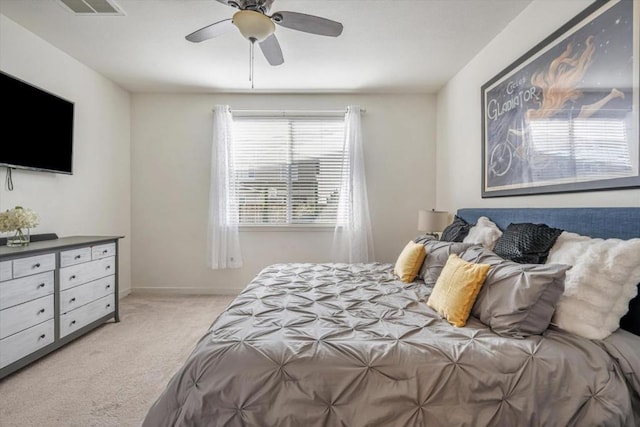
(621, 223)
(605, 223)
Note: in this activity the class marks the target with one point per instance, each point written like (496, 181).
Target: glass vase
(20, 238)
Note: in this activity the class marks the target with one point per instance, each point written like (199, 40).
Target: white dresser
(52, 292)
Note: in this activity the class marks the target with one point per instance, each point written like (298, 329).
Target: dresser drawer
(75, 256)
(17, 291)
(6, 272)
(82, 273)
(103, 251)
(23, 316)
(26, 342)
(33, 265)
(80, 295)
(76, 319)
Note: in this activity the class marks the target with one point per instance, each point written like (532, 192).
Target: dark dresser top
(48, 245)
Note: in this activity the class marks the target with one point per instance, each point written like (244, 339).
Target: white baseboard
(123, 293)
(185, 291)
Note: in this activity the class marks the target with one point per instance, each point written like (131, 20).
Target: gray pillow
(516, 300)
(437, 255)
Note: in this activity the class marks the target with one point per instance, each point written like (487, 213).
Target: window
(288, 170)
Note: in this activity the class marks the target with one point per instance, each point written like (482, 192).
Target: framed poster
(564, 116)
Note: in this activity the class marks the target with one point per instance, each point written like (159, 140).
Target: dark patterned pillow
(631, 321)
(527, 243)
(456, 231)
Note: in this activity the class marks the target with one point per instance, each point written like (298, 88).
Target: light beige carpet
(111, 376)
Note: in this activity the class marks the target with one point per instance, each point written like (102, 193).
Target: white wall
(171, 146)
(95, 200)
(458, 110)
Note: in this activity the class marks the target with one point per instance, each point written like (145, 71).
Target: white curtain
(353, 240)
(224, 241)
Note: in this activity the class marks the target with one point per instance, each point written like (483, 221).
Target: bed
(351, 345)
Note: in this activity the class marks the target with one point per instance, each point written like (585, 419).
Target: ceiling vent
(92, 7)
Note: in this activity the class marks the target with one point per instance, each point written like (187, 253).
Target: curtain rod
(290, 113)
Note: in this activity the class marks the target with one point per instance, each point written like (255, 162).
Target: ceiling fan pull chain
(251, 49)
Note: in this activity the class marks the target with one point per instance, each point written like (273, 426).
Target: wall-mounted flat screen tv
(37, 127)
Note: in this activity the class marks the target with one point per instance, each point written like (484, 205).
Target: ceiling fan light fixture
(253, 26)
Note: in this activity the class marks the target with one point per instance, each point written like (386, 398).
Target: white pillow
(598, 288)
(484, 233)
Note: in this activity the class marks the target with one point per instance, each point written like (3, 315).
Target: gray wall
(459, 133)
(95, 200)
(171, 149)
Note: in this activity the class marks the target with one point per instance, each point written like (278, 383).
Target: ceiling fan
(257, 25)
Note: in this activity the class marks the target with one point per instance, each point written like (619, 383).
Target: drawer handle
(72, 277)
(72, 300)
(105, 251)
(73, 322)
(41, 285)
(42, 336)
(77, 257)
(108, 305)
(108, 286)
(108, 267)
(37, 265)
(41, 311)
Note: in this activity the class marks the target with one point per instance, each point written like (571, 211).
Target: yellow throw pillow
(457, 288)
(410, 261)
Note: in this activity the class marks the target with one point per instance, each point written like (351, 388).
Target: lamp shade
(432, 221)
(253, 25)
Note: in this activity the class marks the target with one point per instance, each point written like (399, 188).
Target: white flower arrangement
(18, 218)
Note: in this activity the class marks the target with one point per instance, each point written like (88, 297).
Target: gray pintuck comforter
(349, 345)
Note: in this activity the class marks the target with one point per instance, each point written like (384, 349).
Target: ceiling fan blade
(211, 31)
(271, 49)
(308, 23)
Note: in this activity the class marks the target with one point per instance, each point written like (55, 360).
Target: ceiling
(386, 46)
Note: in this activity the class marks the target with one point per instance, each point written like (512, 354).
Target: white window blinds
(288, 170)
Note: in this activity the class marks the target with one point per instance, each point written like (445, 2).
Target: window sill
(278, 228)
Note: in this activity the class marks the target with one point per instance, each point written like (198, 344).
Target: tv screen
(41, 125)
